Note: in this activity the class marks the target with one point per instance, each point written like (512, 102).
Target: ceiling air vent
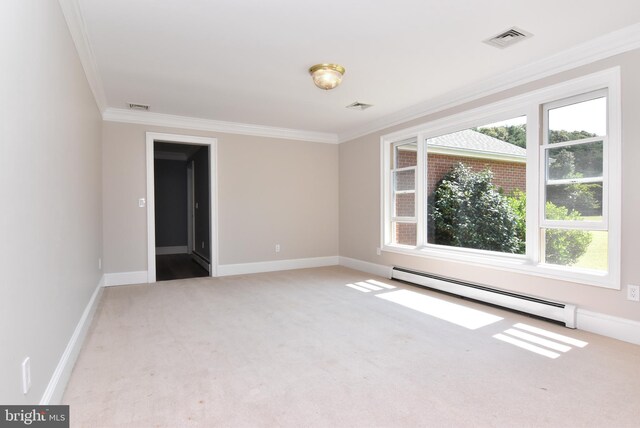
(136, 106)
(507, 38)
(359, 106)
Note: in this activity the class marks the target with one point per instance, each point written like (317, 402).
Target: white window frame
(529, 104)
(417, 198)
(546, 146)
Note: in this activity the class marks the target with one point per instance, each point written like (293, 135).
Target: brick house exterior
(508, 176)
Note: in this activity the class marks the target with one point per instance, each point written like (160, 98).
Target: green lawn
(596, 255)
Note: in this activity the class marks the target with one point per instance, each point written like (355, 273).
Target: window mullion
(406, 168)
(587, 180)
(421, 208)
(574, 142)
(534, 185)
(573, 224)
(387, 195)
(606, 181)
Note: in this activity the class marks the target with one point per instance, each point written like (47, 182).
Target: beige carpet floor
(303, 349)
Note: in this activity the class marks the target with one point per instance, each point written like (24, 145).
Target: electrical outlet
(378, 251)
(99, 263)
(633, 292)
(277, 248)
(26, 375)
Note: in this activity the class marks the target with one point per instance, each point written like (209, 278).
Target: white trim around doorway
(151, 138)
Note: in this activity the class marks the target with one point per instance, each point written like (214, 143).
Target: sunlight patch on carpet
(539, 340)
(526, 345)
(369, 286)
(446, 311)
(380, 284)
(551, 335)
(357, 287)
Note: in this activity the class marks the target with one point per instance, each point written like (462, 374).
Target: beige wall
(360, 205)
(269, 191)
(50, 221)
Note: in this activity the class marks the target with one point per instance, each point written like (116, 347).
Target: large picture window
(529, 184)
(475, 180)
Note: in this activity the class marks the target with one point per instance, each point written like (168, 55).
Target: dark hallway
(182, 210)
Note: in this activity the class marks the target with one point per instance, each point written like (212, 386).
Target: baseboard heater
(556, 311)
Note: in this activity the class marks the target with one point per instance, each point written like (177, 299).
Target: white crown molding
(184, 122)
(77, 28)
(611, 44)
(606, 46)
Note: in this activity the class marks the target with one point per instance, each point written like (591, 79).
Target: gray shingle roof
(477, 142)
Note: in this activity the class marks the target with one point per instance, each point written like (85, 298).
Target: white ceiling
(246, 61)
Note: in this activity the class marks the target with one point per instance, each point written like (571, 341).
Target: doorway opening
(181, 207)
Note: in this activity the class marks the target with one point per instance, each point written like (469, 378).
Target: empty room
(336, 214)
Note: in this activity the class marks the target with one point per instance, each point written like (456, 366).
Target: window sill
(510, 263)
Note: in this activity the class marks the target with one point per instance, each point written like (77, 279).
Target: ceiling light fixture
(326, 76)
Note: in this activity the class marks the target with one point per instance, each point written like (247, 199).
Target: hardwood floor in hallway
(178, 266)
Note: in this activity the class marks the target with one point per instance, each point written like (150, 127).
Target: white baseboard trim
(58, 382)
(372, 268)
(125, 278)
(180, 249)
(276, 265)
(610, 326)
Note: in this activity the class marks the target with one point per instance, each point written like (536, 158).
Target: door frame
(190, 208)
(151, 138)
